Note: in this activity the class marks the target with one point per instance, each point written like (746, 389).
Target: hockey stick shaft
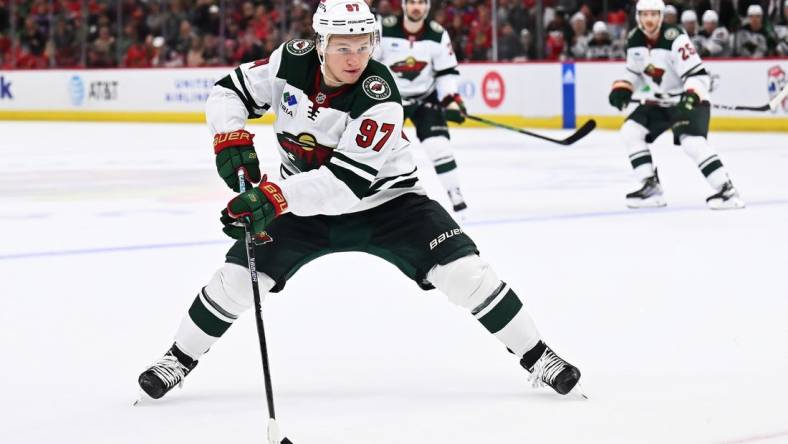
(258, 312)
(273, 429)
(577, 135)
(666, 103)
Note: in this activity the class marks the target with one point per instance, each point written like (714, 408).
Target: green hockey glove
(234, 151)
(260, 206)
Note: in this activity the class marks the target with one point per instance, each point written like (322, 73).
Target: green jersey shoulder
(393, 27)
(667, 34)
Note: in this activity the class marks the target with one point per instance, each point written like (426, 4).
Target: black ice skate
(458, 203)
(648, 196)
(725, 199)
(552, 371)
(166, 373)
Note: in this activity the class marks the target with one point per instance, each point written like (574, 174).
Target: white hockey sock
(471, 283)
(634, 135)
(216, 307)
(707, 160)
(439, 151)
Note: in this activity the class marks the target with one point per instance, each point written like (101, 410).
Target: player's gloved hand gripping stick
(273, 428)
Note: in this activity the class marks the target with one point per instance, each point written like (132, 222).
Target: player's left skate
(166, 373)
(457, 201)
(551, 370)
(725, 199)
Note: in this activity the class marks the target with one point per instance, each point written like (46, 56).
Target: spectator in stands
(206, 17)
(725, 10)
(578, 46)
(66, 43)
(102, 50)
(194, 55)
(128, 38)
(184, 39)
(33, 39)
(154, 18)
(601, 45)
(689, 21)
(555, 46)
(670, 15)
(508, 43)
(211, 54)
(715, 40)
(781, 31)
(527, 45)
(250, 48)
(753, 40)
(140, 54)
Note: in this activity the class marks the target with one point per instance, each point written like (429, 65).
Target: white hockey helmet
(710, 16)
(689, 16)
(345, 17)
(649, 5)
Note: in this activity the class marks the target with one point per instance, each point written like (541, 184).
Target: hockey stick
(273, 428)
(577, 135)
(771, 106)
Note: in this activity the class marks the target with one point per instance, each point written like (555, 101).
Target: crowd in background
(174, 33)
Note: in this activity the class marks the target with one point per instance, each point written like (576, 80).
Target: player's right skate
(457, 201)
(648, 196)
(166, 373)
(551, 370)
(726, 199)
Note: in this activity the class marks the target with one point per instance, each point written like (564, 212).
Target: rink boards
(548, 95)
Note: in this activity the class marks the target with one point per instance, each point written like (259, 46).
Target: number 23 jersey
(668, 66)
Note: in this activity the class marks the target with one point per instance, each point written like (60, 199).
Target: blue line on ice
(481, 223)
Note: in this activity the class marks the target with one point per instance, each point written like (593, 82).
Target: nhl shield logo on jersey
(299, 46)
(376, 88)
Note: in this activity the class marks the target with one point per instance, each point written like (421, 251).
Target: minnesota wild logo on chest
(303, 150)
(409, 68)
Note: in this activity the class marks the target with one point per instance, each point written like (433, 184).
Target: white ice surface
(677, 317)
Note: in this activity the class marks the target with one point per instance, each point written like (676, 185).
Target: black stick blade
(580, 133)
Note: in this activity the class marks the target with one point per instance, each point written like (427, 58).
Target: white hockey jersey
(422, 62)
(666, 67)
(341, 150)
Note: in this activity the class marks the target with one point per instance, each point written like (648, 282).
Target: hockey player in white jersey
(419, 53)
(347, 183)
(661, 59)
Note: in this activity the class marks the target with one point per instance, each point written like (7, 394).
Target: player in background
(419, 53)
(715, 39)
(662, 58)
(347, 183)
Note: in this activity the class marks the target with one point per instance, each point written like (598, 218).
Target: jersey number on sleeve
(687, 51)
(368, 131)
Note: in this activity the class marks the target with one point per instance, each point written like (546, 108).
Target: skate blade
(646, 203)
(730, 204)
(577, 393)
(142, 399)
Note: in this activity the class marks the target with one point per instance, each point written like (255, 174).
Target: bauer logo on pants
(493, 89)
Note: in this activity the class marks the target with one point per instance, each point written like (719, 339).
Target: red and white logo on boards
(493, 89)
